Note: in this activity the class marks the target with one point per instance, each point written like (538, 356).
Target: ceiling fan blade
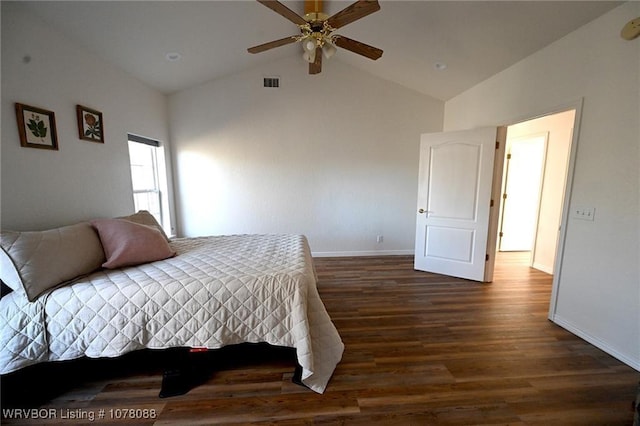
(283, 10)
(357, 47)
(316, 66)
(272, 44)
(357, 10)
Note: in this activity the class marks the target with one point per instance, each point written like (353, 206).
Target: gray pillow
(33, 262)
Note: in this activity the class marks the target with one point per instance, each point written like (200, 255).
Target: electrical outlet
(380, 239)
(583, 213)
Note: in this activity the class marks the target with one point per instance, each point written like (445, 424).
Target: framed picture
(90, 124)
(37, 127)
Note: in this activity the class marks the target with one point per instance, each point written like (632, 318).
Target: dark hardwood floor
(421, 349)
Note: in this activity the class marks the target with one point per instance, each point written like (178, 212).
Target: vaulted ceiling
(474, 39)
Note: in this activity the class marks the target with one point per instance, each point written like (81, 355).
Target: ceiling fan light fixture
(317, 31)
(328, 50)
(309, 44)
(309, 56)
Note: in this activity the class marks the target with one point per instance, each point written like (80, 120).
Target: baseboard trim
(595, 341)
(543, 268)
(361, 253)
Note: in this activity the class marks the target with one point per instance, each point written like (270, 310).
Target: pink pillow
(127, 243)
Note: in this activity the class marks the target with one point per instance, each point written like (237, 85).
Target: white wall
(332, 156)
(599, 289)
(560, 130)
(83, 180)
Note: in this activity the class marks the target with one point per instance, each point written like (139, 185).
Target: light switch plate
(583, 213)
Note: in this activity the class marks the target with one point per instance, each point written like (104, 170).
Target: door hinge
(497, 144)
(504, 196)
(508, 156)
(486, 259)
(501, 234)
(491, 203)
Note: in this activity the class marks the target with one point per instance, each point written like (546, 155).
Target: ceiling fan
(317, 31)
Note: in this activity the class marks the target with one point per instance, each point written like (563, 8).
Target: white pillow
(33, 262)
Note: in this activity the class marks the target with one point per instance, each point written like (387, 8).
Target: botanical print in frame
(90, 124)
(37, 127)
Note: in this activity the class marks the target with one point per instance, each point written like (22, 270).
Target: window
(148, 177)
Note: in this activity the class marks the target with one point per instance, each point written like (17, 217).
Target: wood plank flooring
(421, 349)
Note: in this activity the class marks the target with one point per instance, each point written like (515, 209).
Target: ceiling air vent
(272, 82)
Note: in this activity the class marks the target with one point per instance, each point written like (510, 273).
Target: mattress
(216, 291)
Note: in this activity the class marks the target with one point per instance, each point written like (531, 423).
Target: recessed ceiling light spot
(440, 66)
(173, 56)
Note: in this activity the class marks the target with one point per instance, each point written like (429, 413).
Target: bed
(209, 293)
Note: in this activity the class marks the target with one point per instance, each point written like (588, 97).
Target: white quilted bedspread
(217, 291)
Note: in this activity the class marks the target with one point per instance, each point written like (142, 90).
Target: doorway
(436, 241)
(535, 175)
(521, 190)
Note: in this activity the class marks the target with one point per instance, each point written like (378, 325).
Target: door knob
(424, 211)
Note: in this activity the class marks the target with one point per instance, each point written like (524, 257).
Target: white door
(454, 197)
(522, 190)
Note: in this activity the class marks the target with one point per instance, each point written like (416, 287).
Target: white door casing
(454, 202)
